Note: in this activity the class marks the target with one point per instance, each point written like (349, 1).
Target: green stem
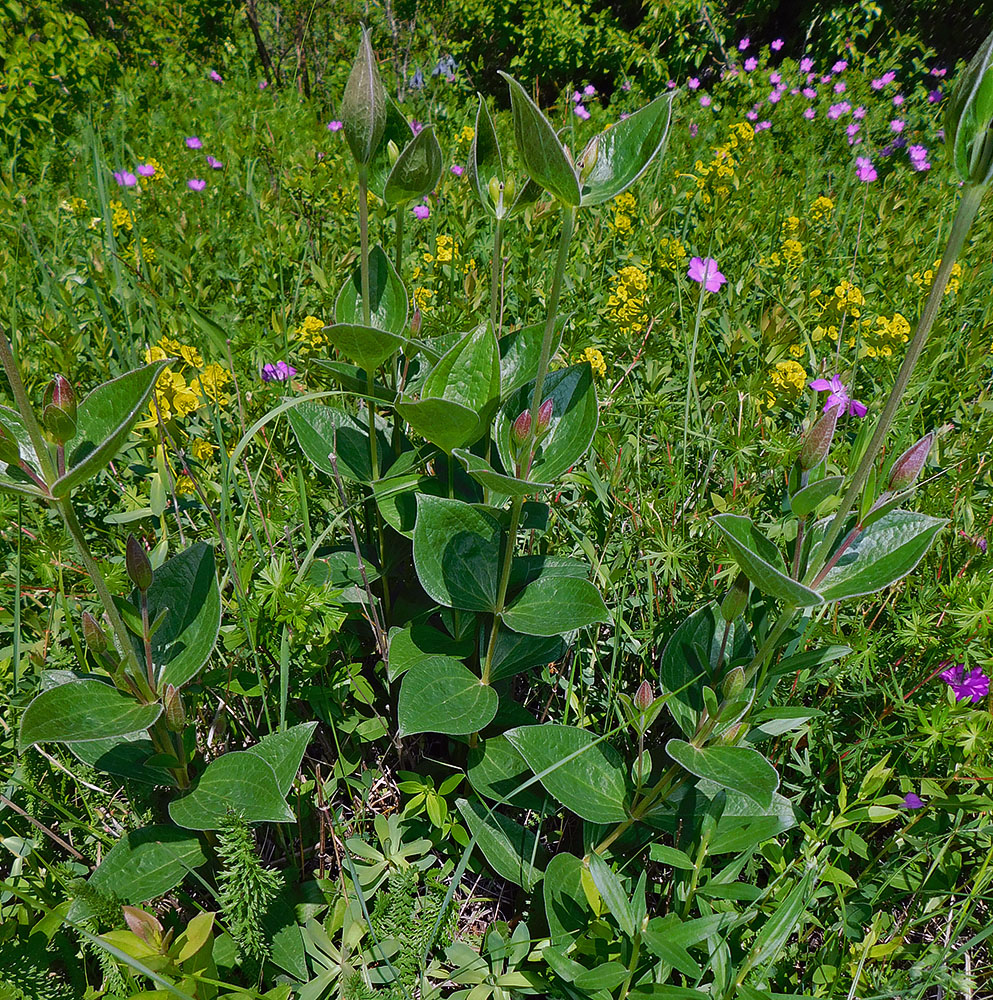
(508, 558)
(399, 236)
(495, 269)
(972, 195)
(692, 371)
(632, 965)
(364, 242)
(25, 410)
(146, 638)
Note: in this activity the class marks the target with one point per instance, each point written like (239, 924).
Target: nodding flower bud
(734, 683)
(817, 444)
(59, 409)
(545, 415)
(496, 190)
(363, 105)
(909, 465)
(96, 638)
(10, 453)
(415, 322)
(137, 563)
(392, 151)
(734, 604)
(969, 119)
(644, 696)
(522, 427)
(175, 716)
(508, 190)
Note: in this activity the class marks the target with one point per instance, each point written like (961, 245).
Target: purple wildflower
(214, 163)
(837, 110)
(840, 66)
(457, 170)
(693, 82)
(263, 84)
(125, 178)
(146, 169)
(421, 211)
(859, 113)
(196, 184)
(581, 112)
(776, 44)
(775, 78)
(897, 125)
(762, 126)
(744, 43)
(865, 170)
(810, 114)
(416, 126)
(898, 99)
(974, 684)
(215, 76)
(840, 87)
(934, 96)
(750, 64)
(193, 142)
(694, 128)
(278, 372)
(589, 90)
(626, 85)
(335, 126)
(577, 97)
(752, 115)
(705, 271)
(913, 801)
(806, 64)
(838, 396)
(877, 84)
(809, 93)
(705, 101)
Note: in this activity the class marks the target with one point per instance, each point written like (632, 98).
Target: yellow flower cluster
(923, 280)
(147, 252)
(790, 229)
(595, 359)
(75, 205)
(789, 256)
(887, 334)
(672, 253)
(787, 379)
(466, 135)
(821, 209)
(311, 333)
(203, 451)
(422, 298)
(847, 300)
(626, 303)
(174, 395)
(445, 251)
(715, 179)
(625, 208)
(121, 218)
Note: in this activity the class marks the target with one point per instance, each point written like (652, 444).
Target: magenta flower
(457, 170)
(877, 84)
(840, 66)
(810, 114)
(752, 115)
(744, 43)
(263, 84)
(853, 131)
(762, 126)
(806, 64)
(589, 90)
(934, 96)
(214, 162)
(626, 85)
(421, 211)
(577, 97)
(776, 45)
(809, 93)
(705, 271)
(837, 110)
(864, 169)
(974, 684)
(278, 372)
(838, 396)
(196, 183)
(146, 169)
(125, 179)
(898, 100)
(859, 113)
(913, 801)
(693, 129)
(693, 82)
(335, 126)
(705, 101)
(840, 87)
(775, 97)
(416, 126)
(193, 142)
(896, 125)
(888, 77)
(215, 76)
(581, 112)
(751, 63)
(775, 78)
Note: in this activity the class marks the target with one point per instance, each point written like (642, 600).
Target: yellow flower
(626, 302)
(121, 218)
(171, 346)
(625, 202)
(422, 298)
(821, 208)
(185, 398)
(796, 350)
(621, 223)
(787, 380)
(595, 359)
(212, 381)
(923, 281)
(203, 451)
(155, 354)
(445, 250)
(147, 252)
(792, 251)
(672, 253)
(311, 332)
(466, 135)
(184, 486)
(75, 205)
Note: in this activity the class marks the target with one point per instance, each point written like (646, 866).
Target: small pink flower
(196, 184)
(263, 84)
(125, 179)
(859, 113)
(809, 93)
(214, 163)
(752, 115)
(840, 66)
(146, 169)
(693, 82)
(577, 97)
(335, 126)
(864, 169)
(762, 126)
(775, 78)
(705, 271)
(457, 170)
(626, 85)
(840, 87)
(421, 211)
(776, 45)
(750, 64)
(838, 396)
(896, 125)
(744, 43)
(215, 76)
(193, 142)
(810, 114)
(705, 101)
(898, 99)
(806, 64)
(416, 126)
(589, 90)
(693, 129)
(581, 112)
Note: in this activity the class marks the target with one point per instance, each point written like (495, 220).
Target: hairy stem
(508, 558)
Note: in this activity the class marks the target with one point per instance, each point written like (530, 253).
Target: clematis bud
(59, 409)
(10, 453)
(495, 189)
(137, 564)
(969, 119)
(545, 415)
(415, 322)
(644, 696)
(175, 716)
(522, 427)
(363, 105)
(734, 604)
(392, 151)
(908, 466)
(817, 444)
(96, 639)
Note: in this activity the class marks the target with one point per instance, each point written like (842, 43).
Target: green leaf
(658, 936)
(396, 130)
(103, 423)
(554, 606)
(412, 644)
(363, 104)
(544, 157)
(571, 429)
(804, 501)
(367, 346)
(240, 782)
(690, 658)
(123, 756)
(567, 909)
(740, 769)
(618, 156)
(441, 695)
(586, 775)
(762, 562)
(12, 478)
(485, 158)
(319, 428)
(143, 865)
(83, 710)
(495, 770)
(488, 477)
(396, 497)
(514, 653)
(387, 296)
(440, 421)
(283, 752)
(457, 553)
(612, 892)
(417, 169)
(510, 849)
(776, 931)
(605, 976)
(184, 590)
(520, 352)
(885, 552)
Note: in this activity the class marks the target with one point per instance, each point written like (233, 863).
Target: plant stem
(399, 236)
(972, 195)
(692, 369)
(496, 267)
(146, 637)
(508, 558)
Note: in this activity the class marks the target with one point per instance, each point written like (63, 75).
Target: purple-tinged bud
(522, 427)
(96, 638)
(734, 604)
(10, 453)
(734, 683)
(137, 563)
(644, 696)
(60, 395)
(143, 925)
(175, 716)
(415, 322)
(909, 465)
(817, 444)
(545, 415)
